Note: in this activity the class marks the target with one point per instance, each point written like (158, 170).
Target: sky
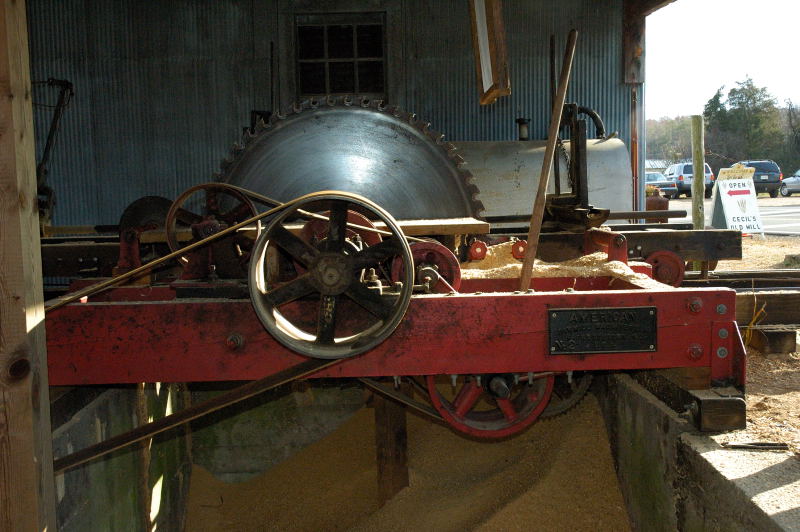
(738, 38)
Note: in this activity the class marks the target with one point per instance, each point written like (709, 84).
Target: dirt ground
(559, 475)
(773, 387)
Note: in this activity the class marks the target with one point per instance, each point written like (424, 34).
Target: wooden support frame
(489, 43)
(391, 446)
(26, 461)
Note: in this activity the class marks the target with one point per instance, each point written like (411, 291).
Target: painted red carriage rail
(187, 340)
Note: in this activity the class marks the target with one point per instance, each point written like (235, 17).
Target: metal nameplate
(576, 331)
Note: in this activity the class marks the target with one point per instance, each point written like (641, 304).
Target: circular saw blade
(382, 153)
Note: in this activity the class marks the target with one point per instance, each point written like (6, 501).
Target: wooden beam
(647, 7)
(633, 31)
(391, 441)
(26, 462)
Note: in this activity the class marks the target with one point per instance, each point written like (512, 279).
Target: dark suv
(767, 178)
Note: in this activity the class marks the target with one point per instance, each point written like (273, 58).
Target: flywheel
(360, 146)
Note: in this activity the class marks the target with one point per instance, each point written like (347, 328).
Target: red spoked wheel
(491, 406)
(315, 231)
(433, 255)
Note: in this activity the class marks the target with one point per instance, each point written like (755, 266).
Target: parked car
(681, 173)
(665, 185)
(767, 178)
(791, 184)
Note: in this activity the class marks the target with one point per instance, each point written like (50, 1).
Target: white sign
(734, 204)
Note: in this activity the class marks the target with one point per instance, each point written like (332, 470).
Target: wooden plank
(391, 439)
(781, 307)
(26, 462)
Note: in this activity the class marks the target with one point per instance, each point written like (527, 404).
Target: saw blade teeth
(470, 191)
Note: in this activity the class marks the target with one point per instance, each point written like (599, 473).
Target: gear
(359, 146)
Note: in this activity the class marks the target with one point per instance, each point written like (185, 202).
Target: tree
(744, 125)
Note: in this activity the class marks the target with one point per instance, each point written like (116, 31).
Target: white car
(791, 184)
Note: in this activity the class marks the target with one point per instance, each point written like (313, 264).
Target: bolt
(234, 341)
(454, 380)
(619, 240)
(695, 304)
(396, 382)
(722, 352)
(723, 333)
(695, 351)
(721, 309)
(652, 346)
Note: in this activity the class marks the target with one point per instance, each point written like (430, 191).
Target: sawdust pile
(499, 263)
(773, 400)
(559, 475)
(758, 254)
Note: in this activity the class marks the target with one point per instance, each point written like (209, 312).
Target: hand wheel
(336, 305)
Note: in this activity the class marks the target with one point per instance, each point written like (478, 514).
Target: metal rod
(552, 135)
(627, 215)
(191, 413)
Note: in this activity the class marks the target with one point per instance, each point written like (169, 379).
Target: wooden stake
(552, 133)
(26, 475)
(698, 180)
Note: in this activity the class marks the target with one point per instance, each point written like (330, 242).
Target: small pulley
(334, 303)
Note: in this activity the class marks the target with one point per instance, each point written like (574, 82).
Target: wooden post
(698, 173)
(391, 441)
(547, 163)
(698, 183)
(26, 456)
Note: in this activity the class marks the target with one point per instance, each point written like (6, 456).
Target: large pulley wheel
(335, 304)
(491, 406)
(207, 209)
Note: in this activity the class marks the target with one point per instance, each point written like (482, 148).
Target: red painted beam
(185, 340)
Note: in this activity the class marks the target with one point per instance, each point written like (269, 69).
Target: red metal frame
(178, 340)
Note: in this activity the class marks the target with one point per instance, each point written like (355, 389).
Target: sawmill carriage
(369, 261)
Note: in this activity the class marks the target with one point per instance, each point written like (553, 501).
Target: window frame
(327, 20)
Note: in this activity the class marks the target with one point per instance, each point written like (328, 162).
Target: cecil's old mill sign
(577, 331)
(734, 204)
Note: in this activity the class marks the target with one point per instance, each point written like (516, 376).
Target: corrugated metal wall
(163, 88)
(442, 81)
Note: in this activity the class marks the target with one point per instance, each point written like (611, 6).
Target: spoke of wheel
(287, 292)
(507, 408)
(237, 214)
(378, 253)
(326, 321)
(300, 251)
(467, 397)
(379, 305)
(337, 225)
(187, 217)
